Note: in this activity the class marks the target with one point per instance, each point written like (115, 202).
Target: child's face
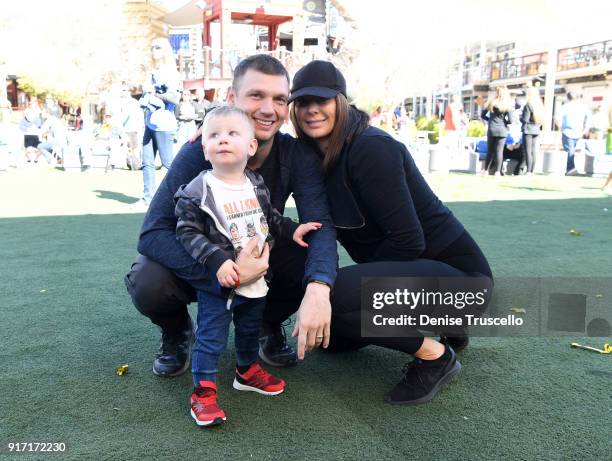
(228, 142)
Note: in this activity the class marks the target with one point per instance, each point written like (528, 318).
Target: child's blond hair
(226, 111)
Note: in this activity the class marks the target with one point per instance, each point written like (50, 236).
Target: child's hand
(228, 274)
(302, 230)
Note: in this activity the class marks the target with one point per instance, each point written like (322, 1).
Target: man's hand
(250, 266)
(313, 319)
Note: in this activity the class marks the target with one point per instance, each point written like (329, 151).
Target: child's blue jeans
(214, 319)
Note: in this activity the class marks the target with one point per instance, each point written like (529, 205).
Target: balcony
(514, 68)
(475, 75)
(216, 68)
(584, 56)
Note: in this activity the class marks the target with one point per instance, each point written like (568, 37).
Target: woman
(387, 218)
(186, 115)
(496, 112)
(160, 96)
(531, 120)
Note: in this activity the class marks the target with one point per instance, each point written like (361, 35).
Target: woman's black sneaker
(273, 347)
(174, 353)
(457, 343)
(424, 378)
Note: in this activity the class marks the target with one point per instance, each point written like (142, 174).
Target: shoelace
(414, 365)
(206, 396)
(260, 377)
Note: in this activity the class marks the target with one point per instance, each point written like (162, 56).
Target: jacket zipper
(230, 299)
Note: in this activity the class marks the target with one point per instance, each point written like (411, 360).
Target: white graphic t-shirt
(244, 219)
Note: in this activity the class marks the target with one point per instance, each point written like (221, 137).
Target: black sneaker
(424, 378)
(172, 358)
(457, 343)
(274, 350)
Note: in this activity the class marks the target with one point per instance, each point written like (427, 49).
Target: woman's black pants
(495, 153)
(463, 258)
(529, 143)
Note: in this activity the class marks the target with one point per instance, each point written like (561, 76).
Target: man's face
(264, 98)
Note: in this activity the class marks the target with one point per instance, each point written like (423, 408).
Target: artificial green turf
(68, 322)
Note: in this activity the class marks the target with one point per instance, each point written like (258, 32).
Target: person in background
(160, 96)
(54, 138)
(186, 115)
(30, 125)
(607, 187)
(595, 144)
(107, 139)
(455, 123)
(7, 143)
(376, 118)
(453, 114)
(574, 123)
(132, 121)
(496, 112)
(201, 104)
(531, 120)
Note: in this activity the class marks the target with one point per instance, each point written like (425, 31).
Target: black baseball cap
(318, 78)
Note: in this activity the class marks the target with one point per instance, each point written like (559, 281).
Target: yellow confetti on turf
(518, 310)
(575, 233)
(607, 348)
(121, 370)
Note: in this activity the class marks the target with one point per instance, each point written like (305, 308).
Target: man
(164, 277)
(574, 124)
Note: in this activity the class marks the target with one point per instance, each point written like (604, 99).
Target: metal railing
(523, 66)
(475, 74)
(590, 55)
(220, 63)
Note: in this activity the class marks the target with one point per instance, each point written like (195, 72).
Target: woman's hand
(313, 320)
(302, 230)
(228, 274)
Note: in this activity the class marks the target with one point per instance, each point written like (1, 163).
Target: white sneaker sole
(212, 422)
(242, 387)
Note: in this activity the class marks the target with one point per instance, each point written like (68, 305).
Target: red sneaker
(204, 407)
(257, 379)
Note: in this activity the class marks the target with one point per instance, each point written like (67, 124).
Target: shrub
(432, 124)
(476, 129)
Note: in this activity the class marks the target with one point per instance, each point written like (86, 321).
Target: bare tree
(65, 47)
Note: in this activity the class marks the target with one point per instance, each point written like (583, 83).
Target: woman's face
(157, 52)
(316, 116)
